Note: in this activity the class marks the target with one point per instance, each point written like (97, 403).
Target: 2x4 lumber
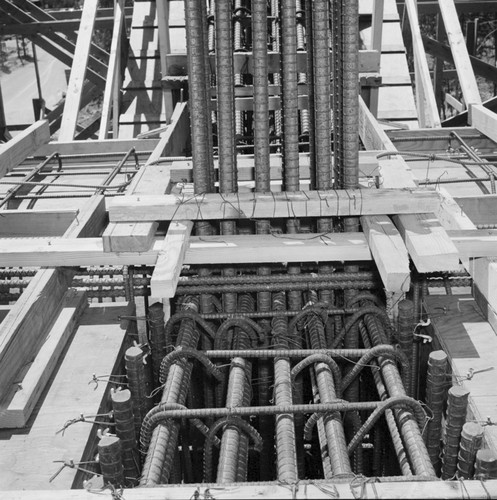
(483, 120)
(129, 236)
(165, 48)
(33, 383)
(78, 71)
(333, 203)
(457, 44)
(29, 317)
(389, 252)
(170, 260)
(475, 242)
(442, 51)
(205, 250)
(426, 102)
(153, 178)
(369, 62)
(23, 145)
(427, 242)
(46, 27)
(409, 490)
(376, 43)
(18, 223)
(111, 91)
(481, 209)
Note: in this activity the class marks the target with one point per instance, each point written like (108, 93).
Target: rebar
(157, 337)
(111, 465)
(471, 442)
(160, 454)
(320, 358)
(289, 95)
(122, 408)
(436, 395)
(277, 287)
(139, 384)
(456, 417)
(486, 465)
(195, 20)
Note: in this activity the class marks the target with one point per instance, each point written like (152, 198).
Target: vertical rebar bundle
(436, 395)
(199, 103)
(139, 384)
(471, 441)
(110, 459)
(486, 465)
(125, 431)
(456, 417)
(286, 453)
(157, 338)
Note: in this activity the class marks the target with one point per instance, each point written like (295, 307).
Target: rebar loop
(286, 437)
(320, 358)
(219, 424)
(194, 316)
(183, 352)
(247, 325)
(160, 454)
(408, 428)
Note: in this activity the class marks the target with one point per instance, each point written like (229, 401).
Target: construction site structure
(266, 266)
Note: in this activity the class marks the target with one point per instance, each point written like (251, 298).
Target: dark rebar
(471, 442)
(157, 337)
(486, 465)
(405, 331)
(436, 395)
(456, 417)
(110, 459)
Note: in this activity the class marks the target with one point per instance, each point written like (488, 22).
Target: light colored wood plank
(408, 490)
(484, 120)
(35, 222)
(170, 260)
(91, 147)
(335, 203)
(457, 43)
(33, 383)
(475, 242)
(113, 72)
(23, 145)
(78, 71)
(129, 236)
(428, 244)
(389, 252)
(97, 347)
(426, 103)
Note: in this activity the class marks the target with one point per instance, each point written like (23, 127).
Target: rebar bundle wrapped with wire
(436, 395)
(456, 417)
(471, 442)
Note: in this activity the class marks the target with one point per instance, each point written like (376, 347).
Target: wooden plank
(483, 120)
(23, 145)
(97, 347)
(457, 44)
(475, 242)
(170, 260)
(204, 250)
(389, 252)
(428, 244)
(426, 103)
(113, 72)
(78, 71)
(335, 203)
(35, 222)
(129, 236)
(481, 209)
(29, 390)
(409, 490)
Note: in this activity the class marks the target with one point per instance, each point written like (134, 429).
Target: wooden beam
(408, 490)
(481, 209)
(23, 145)
(428, 244)
(113, 72)
(78, 71)
(18, 223)
(426, 102)
(442, 51)
(33, 383)
(164, 49)
(129, 236)
(472, 243)
(483, 120)
(170, 260)
(335, 203)
(460, 54)
(389, 252)
(46, 27)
